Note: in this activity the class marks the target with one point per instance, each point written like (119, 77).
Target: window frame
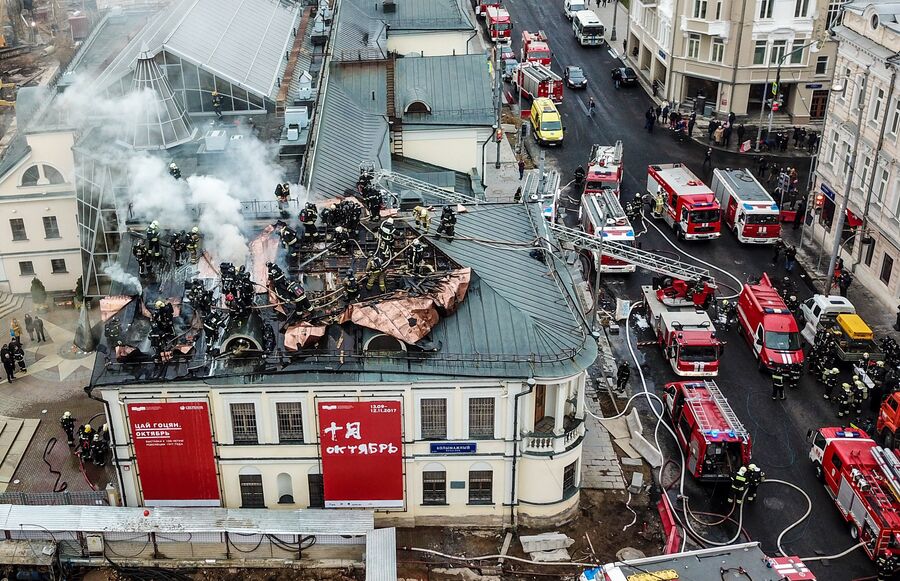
(717, 43)
(759, 58)
(50, 224)
(481, 494)
(765, 9)
(234, 425)
(432, 434)
(693, 46)
(30, 264)
(483, 432)
(55, 266)
(30, 184)
(796, 53)
(881, 190)
(432, 493)
(12, 229)
(823, 61)
(282, 430)
(701, 8)
(895, 117)
(801, 8)
(570, 488)
(249, 494)
(777, 50)
(876, 105)
(887, 261)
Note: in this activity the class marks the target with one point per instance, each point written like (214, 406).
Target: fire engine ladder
(616, 158)
(734, 423)
(636, 256)
(890, 467)
(407, 182)
(613, 206)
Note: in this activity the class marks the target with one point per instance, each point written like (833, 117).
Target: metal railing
(547, 442)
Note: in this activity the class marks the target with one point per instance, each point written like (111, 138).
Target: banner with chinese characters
(362, 453)
(174, 451)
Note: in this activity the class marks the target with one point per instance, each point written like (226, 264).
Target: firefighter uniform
(830, 381)
(658, 206)
(142, 256)
(885, 568)
(193, 244)
(448, 222)
(422, 217)
(341, 240)
(308, 217)
(622, 375)
(845, 400)
(98, 451)
(351, 286)
(778, 382)
(85, 437)
(174, 171)
(755, 477)
(860, 394)
(387, 234)
(415, 256)
(792, 375)
(178, 243)
(153, 240)
(375, 271)
(738, 486)
(67, 421)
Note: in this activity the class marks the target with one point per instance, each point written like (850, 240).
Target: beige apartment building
(723, 56)
(38, 222)
(866, 68)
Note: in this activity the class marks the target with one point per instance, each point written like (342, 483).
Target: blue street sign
(814, 86)
(453, 447)
(828, 191)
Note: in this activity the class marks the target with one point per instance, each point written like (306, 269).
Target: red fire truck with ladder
(863, 479)
(683, 201)
(602, 215)
(682, 286)
(713, 438)
(481, 6)
(536, 80)
(499, 24)
(535, 48)
(749, 210)
(604, 170)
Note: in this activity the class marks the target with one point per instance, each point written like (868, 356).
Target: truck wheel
(760, 365)
(820, 473)
(854, 532)
(887, 438)
(679, 233)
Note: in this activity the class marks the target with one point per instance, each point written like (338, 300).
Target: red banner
(362, 453)
(174, 451)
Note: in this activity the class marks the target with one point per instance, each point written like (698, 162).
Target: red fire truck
(499, 24)
(683, 201)
(536, 80)
(604, 170)
(863, 479)
(535, 48)
(714, 441)
(749, 210)
(481, 6)
(683, 329)
(768, 325)
(602, 215)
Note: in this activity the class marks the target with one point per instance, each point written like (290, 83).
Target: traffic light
(820, 201)
(499, 134)
(775, 106)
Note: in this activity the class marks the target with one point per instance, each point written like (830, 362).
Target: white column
(580, 388)
(560, 408)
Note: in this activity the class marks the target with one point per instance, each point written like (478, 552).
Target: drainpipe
(483, 155)
(737, 53)
(878, 147)
(112, 436)
(468, 40)
(512, 488)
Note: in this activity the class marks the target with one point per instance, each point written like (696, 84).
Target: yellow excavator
(4, 102)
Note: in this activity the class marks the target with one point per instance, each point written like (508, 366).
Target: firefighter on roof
(174, 171)
(143, 258)
(193, 245)
(448, 222)
(415, 256)
(375, 271)
(217, 104)
(422, 217)
(351, 286)
(623, 373)
(178, 241)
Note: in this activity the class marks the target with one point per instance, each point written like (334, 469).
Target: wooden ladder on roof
(396, 122)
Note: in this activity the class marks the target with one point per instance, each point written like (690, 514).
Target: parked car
(508, 66)
(626, 76)
(575, 78)
(506, 52)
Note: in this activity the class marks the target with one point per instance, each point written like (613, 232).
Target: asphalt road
(779, 428)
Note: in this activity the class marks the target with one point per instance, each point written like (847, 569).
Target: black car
(625, 76)
(575, 78)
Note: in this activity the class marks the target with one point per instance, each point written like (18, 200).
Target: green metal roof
(420, 15)
(456, 89)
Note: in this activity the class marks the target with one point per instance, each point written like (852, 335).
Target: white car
(572, 6)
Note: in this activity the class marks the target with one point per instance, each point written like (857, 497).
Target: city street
(778, 428)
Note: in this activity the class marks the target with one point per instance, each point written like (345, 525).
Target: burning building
(399, 347)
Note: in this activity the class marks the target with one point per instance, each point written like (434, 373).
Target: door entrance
(540, 400)
(817, 104)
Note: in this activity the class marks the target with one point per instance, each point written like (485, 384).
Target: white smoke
(131, 285)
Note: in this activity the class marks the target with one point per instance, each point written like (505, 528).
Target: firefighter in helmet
(67, 421)
(174, 171)
(739, 486)
(755, 476)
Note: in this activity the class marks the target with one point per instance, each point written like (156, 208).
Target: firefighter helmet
(96, 437)
(865, 355)
(753, 467)
(880, 363)
(742, 470)
(154, 224)
(67, 415)
(159, 304)
(173, 165)
(104, 428)
(834, 371)
(87, 428)
(195, 230)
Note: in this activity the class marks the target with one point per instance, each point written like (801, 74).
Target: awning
(853, 221)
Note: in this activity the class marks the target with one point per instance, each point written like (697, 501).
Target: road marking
(613, 53)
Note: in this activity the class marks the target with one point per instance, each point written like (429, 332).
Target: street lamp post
(612, 34)
(842, 213)
(499, 88)
(775, 88)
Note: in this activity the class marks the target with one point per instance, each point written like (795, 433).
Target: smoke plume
(131, 285)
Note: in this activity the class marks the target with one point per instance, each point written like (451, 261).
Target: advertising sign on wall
(362, 453)
(174, 451)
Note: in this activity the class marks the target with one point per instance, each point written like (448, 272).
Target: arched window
(418, 106)
(53, 175)
(31, 176)
(285, 489)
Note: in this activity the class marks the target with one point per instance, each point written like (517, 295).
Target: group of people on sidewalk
(12, 354)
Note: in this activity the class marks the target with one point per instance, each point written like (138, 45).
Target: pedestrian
(778, 382)
(521, 169)
(658, 113)
(711, 130)
(623, 373)
(18, 354)
(844, 282)
(777, 249)
(812, 141)
(15, 330)
(719, 135)
(726, 136)
(591, 106)
(741, 130)
(790, 258)
(649, 118)
(39, 330)
(9, 364)
(517, 197)
(617, 77)
(29, 326)
(707, 160)
(801, 214)
(692, 120)
(654, 86)
(624, 46)
(665, 115)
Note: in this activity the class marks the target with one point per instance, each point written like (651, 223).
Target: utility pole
(842, 213)
(499, 88)
(612, 34)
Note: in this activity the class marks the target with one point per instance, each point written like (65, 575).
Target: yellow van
(546, 122)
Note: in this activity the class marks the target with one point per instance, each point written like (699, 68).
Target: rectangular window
(765, 8)
(434, 487)
(51, 228)
(759, 52)
(846, 156)
(570, 473)
(897, 198)
(290, 422)
(877, 104)
(699, 8)
(778, 51)
(17, 225)
(316, 490)
(864, 174)
(834, 146)
(870, 252)
(719, 10)
(481, 486)
(796, 52)
(718, 50)
(895, 117)
(58, 265)
(26, 268)
(881, 188)
(243, 423)
(481, 417)
(833, 17)
(252, 491)
(887, 265)
(801, 7)
(693, 47)
(822, 65)
(434, 419)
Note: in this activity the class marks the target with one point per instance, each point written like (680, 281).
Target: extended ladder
(407, 182)
(613, 157)
(734, 423)
(613, 206)
(642, 258)
(890, 467)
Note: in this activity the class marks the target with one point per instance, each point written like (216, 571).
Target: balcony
(544, 441)
(719, 28)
